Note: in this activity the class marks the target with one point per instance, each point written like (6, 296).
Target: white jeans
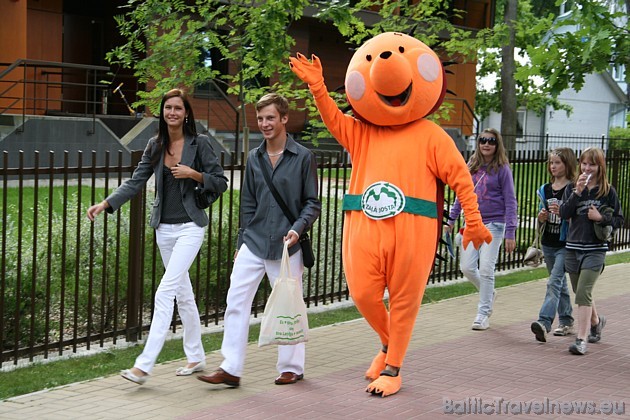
(247, 274)
(478, 266)
(179, 245)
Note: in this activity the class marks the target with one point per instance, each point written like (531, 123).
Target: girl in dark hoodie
(584, 204)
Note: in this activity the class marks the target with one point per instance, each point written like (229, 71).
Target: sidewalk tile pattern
(446, 361)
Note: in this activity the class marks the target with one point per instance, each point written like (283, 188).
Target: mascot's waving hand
(400, 161)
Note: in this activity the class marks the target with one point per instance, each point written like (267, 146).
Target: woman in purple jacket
(494, 187)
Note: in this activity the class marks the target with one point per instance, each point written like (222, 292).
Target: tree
(619, 138)
(556, 52)
(508, 91)
(600, 38)
(529, 28)
(166, 39)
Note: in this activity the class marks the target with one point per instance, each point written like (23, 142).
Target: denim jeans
(478, 266)
(557, 298)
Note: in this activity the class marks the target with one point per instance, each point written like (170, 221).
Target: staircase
(7, 124)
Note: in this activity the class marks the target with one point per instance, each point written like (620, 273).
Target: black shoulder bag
(305, 242)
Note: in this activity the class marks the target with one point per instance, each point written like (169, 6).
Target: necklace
(275, 154)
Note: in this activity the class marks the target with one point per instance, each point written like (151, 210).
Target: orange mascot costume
(400, 161)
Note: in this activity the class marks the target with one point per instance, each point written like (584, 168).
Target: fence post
(134, 282)
(614, 168)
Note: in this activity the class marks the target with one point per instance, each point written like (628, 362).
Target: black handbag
(203, 199)
(308, 258)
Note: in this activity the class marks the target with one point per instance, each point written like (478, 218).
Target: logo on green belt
(382, 200)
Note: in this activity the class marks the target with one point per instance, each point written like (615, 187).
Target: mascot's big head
(394, 79)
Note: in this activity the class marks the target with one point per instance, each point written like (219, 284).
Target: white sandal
(130, 376)
(186, 371)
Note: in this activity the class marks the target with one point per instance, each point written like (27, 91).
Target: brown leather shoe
(220, 376)
(287, 378)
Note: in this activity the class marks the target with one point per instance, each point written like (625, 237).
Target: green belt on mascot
(392, 203)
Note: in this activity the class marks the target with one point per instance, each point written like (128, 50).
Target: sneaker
(579, 347)
(563, 330)
(596, 330)
(540, 331)
(494, 298)
(481, 322)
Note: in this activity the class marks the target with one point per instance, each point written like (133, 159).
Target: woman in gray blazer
(181, 160)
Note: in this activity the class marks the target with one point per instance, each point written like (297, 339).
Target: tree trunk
(508, 85)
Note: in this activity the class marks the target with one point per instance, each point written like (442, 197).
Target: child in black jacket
(583, 205)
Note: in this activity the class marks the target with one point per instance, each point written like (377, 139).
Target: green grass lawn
(47, 375)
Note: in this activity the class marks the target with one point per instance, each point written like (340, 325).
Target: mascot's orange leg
(377, 366)
(406, 283)
(404, 305)
(367, 290)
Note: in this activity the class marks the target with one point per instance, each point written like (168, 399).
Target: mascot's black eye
(401, 49)
(368, 57)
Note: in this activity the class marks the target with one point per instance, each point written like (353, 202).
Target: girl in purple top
(494, 186)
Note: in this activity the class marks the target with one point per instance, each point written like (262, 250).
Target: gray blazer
(212, 172)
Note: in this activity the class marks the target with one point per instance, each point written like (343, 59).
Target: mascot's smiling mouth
(397, 100)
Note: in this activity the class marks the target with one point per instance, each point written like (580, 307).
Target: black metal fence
(67, 283)
(546, 141)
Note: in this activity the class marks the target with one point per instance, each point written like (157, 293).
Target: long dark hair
(190, 128)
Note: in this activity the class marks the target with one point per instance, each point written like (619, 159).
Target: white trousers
(179, 245)
(247, 274)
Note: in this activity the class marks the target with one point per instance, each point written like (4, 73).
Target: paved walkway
(449, 368)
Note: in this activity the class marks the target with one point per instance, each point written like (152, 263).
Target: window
(213, 59)
(618, 72)
(617, 116)
(521, 121)
(565, 7)
(615, 6)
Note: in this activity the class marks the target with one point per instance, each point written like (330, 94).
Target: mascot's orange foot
(385, 385)
(377, 366)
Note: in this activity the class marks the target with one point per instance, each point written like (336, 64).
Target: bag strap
(273, 190)
(539, 228)
(197, 160)
(285, 267)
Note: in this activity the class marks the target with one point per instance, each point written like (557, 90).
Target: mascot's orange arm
(344, 128)
(452, 170)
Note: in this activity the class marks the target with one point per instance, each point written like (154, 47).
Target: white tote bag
(284, 320)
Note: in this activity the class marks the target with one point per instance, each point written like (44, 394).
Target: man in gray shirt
(264, 229)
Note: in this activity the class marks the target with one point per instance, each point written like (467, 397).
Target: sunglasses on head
(490, 140)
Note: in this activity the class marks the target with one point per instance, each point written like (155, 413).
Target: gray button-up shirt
(263, 224)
